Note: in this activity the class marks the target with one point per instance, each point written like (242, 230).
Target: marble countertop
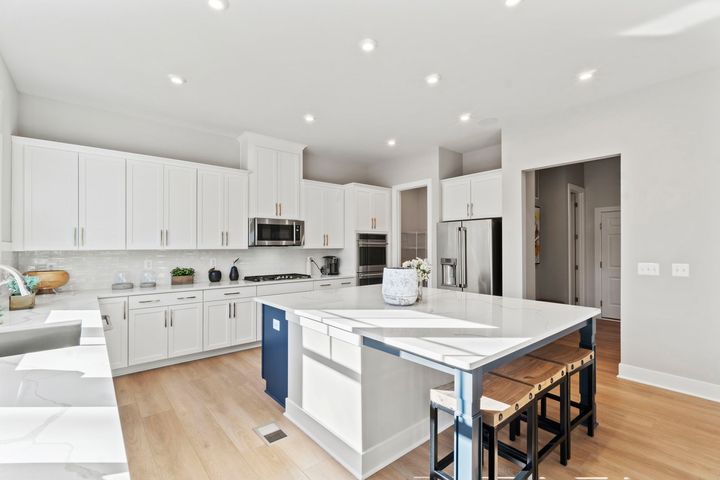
(58, 413)
(462, 330)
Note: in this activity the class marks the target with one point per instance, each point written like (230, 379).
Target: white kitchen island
(359, 371)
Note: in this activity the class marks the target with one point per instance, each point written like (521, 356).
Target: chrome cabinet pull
(229, 310)
(281, 209)
(162, 238)
(167, 237)
(171, 318)
(346, 283)
(124, 310)
(186, 298)
(234, 309)
(75, 238)
(148, 301)
(227, 239)
(326, 284)
(231, 293)
(472, 209)
(82, 235)
(165, 318)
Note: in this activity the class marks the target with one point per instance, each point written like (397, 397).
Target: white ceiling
(262, 64)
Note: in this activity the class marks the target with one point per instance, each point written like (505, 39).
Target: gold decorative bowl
(49, 279)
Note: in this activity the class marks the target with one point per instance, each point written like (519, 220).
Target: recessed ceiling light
(176, 79)
(219, 4)
(465, 117)
(512, 3)
(368, 45)
(391, 142)
(309, 118)
(586, 75)
(433, 79)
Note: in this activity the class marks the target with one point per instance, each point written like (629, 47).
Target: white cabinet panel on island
(114, 315)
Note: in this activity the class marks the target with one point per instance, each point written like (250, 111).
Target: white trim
(598, 252)
(668, 381)
(580, 254)
(395, 229)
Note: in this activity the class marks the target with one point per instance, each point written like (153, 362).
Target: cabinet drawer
(229, 293)
(165, 299)
(282, 288)
(334, 283)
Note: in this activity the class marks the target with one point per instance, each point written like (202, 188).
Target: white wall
(482, 159)
(65, 122)
(8, 126)
(667, 136)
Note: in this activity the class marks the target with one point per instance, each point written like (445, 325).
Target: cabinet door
(144, 205)
(211, 211)
(486, 196)
(236, 206)
(102, 203)
(180, 207)
(217, 325)
(333, 208)
(288, 184)
(266, 178)
(381, 210)
(313, 205)
(186, 329)
(363, 210)
(245, 327)
(148, 335)
(114, 311)
(455, 200)
(51, 199)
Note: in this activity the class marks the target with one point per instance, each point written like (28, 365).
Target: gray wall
(667, 137)
(482, 159)
(551, 274)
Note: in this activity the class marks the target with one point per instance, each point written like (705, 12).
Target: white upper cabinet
(222, 209)
(50, 220)
(145, 204)
(323, 208)
(369, 206)
(472, 196)
(161, 206)
(102, 203)
(275, 171)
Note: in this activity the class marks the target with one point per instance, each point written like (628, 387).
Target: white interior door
(610, 264)
(102, 203)
(144, 205)
(180, 207)
(211, 218)
(236, 206)
(51, 199)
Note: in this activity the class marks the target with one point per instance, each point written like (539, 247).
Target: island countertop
(462, 330)
(58, 412)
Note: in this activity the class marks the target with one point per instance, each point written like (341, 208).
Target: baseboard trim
(667, 381)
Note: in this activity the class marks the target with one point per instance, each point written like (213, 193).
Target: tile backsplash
(96, 269)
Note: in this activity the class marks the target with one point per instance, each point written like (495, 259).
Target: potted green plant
(17, 301)
(182, 275)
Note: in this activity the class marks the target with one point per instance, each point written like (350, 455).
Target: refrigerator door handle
(462, 254)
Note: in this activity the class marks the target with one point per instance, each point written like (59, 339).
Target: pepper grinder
(234, 274)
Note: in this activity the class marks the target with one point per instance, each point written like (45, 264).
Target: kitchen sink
(38, 339)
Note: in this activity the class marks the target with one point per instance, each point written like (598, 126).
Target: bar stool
(542, 376)
(575, 360)
(502, 401)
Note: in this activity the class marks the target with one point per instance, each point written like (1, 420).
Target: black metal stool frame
(528, 460)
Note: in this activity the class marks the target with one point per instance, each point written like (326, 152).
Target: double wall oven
(372, 258)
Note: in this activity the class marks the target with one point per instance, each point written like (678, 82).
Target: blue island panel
(275, 353)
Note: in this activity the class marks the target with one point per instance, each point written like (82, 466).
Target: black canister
(234, 274)
(214, 275)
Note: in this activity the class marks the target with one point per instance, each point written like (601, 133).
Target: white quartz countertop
(461, 330)
(58, 413)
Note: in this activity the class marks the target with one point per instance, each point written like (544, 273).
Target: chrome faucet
(18, 278)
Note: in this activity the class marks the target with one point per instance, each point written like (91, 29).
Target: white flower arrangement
(422, 268)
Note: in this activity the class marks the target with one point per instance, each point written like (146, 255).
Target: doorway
(412, 221)
(607, 253)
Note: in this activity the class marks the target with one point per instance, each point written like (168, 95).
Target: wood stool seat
(538, 373)
(501, 398)
(572, 357)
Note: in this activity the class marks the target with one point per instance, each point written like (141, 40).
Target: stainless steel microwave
(276, 232)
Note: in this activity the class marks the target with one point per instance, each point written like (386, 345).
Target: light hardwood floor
(195, 421)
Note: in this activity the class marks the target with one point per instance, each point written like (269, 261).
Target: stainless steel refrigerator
(470, 256)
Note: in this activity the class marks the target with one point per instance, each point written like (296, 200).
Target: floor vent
(270, 433)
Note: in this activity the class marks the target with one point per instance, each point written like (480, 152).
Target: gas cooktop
(279, 276)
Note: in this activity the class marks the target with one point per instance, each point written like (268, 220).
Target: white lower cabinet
(114, 314)
(185, 335)
(148, 339)
(228, 323)
(160, 333)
